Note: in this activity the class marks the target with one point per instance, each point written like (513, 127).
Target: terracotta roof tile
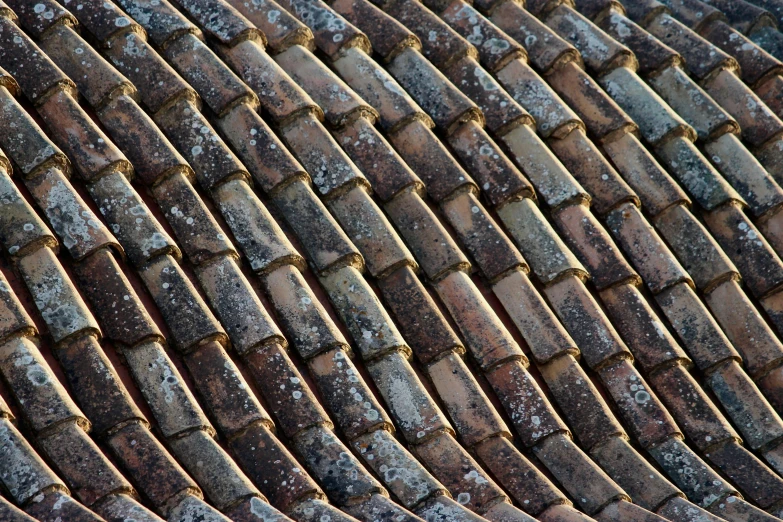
(356, 218)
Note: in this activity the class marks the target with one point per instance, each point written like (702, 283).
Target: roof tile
(500, 110)
(96, 80)
(36, 73)
(223, 482)
(139, 232)
(136, 59)
(42, 506)
(300, 314)
(258, 235)
(220, 20)
(224, 391)
(281, 29)
(279, 96)
(759, 265)
(13, 317)
(102, 396)
(21, 230)
(495, 47)
(162, 21)
(437, 96)
(123, 317)
(80, 230)
(593, 246)
(147, 460)
(651, 54)
(489, 246)
(202, 147)
(634, 318)
(362, 314)
(237, 305)
(171, 401)
(189, 319)
(379, 507)
(600, 52)
(755, 63)
(465, 478)
(648, 487)
(418, 315)
(272, 466)
(553, 117)
(562, 456)
(29, 474)
(338, 471)
(288, 396)
(327, 163)
(650, 255)
(593, 171)
(641, 409)
(90, 474)
(31, 149)
(220, 88)
(347, 397)
(193, 224)
(267, 159)
(588, 415)
(412, 484)
(55, 296)
(697, 329)
(324, 241)
(152, 155)
(332, 33)
(104, 19)
(686, 163)
(193, 506)
(91, 151)
(490, 342)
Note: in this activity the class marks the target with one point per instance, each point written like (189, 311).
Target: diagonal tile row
(338, 165)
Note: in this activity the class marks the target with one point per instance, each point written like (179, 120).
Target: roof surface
(391, 261)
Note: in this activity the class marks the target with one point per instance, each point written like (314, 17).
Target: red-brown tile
(279, 96)
(220, 21)
(171, 401)
(79, 229)
(588, 415)
(377, 508)
(585, 321)
(553, 117)
(594, 172)
(25, 474)
(302, 317)
(21, 229)
(447, 106)
(542, 331)
(335, 467)
(237, 306)
(484, 333)
(284, 389)
(104, 19)
(131, 221)
(162, 20)
(651, 183)
(270, 164)
(38, 19)
(143, 66)
(755, 63)
(255, 230)
(545, 48)
(92, 152)
(424, 326)
(188, 317)
(651, 54)
(224, 391)
(474, 416)
(497, 176)
(375, 157)
(42, 507)
(407, 478)
(121, 313)
(529, 410)
(199, 234)
(13, 317)
(362, 313)
(55, 296)
(430, 159)
(350, 401)
(332, 33)
(90, 475)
